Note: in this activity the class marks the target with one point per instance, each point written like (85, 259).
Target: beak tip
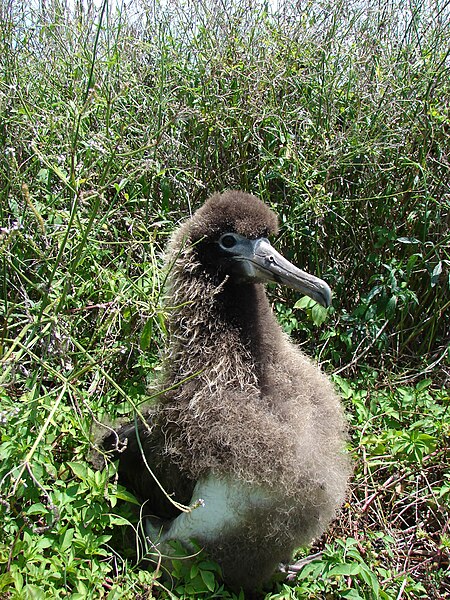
(322, 294)
(326, 296)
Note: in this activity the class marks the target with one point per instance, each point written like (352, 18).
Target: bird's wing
(145, 470)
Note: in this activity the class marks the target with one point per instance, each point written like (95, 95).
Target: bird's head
(230, 234)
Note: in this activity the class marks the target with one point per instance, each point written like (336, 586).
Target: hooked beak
(258, 261)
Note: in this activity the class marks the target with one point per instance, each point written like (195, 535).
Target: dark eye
(227, 241)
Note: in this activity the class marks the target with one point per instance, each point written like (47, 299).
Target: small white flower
(198, 503)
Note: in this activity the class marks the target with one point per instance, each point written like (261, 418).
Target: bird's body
(246, 428)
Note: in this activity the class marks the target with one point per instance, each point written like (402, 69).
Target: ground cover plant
(116, 122)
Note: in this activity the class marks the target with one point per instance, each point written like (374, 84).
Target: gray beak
(257, 260)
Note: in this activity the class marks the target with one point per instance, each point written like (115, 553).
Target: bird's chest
(222, 506)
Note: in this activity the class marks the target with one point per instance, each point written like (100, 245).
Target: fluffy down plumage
(246, 419)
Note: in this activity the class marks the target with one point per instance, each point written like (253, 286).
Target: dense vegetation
(114, 126)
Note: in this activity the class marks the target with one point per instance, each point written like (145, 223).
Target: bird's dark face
(256, 261)
(230, 232)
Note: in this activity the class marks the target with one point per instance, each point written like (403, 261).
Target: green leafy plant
(113, 129)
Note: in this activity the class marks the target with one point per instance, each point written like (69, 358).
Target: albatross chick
(246, 428)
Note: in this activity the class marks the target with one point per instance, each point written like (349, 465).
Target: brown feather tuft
(233, 211)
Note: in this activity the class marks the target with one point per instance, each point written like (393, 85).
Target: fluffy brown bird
(246, 429)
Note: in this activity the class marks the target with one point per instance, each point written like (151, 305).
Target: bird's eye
(227, 241)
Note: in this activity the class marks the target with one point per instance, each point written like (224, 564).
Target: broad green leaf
(33, 592)
(119, 521)
(436, 274)
(319, 314)
(344, 386)
(208, 579)
(146, 335)
(423, 385)
(391, 306)
(80, 470)
(346, 569)
(127, 496)
(6, 579)
(36, 509)
(66, 539)
(304, 302)
(194, 571)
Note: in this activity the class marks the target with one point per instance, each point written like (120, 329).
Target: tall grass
(336, 115)
(116, 123)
